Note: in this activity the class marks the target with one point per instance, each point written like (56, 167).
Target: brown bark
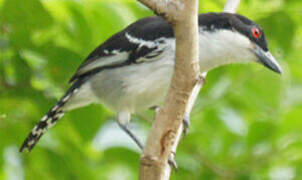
(166, 129)
(184, 88)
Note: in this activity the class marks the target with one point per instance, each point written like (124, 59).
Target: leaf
(26, 14)
(280, 27)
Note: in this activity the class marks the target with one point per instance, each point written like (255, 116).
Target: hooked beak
(267, 59)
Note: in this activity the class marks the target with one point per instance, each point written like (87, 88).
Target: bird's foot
(172, 162)
(186, 124)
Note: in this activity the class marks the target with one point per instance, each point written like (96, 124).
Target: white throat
(223, 47)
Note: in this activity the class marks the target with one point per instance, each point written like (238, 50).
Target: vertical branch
(231, 6)
(166, 129)
(184, 88)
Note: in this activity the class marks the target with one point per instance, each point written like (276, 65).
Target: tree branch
(231, 6)
(166, 129)
(184, 88)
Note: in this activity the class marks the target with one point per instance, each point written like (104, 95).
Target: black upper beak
(267, 60)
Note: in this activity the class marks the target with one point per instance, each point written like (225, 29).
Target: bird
(131, 71)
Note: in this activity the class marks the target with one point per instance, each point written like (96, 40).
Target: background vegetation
(247, 123)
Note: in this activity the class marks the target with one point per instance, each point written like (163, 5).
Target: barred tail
(48, 120)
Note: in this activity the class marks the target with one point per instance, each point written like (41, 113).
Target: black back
(155, 27)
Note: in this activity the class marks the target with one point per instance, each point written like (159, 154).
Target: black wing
(141, 41)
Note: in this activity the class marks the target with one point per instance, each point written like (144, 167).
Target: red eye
(256, 32)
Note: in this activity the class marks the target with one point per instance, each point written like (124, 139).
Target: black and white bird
(131, 71)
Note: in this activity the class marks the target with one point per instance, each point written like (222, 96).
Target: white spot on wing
(142, 42)
(160, 44)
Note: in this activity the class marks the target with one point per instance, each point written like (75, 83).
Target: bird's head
(230, 38)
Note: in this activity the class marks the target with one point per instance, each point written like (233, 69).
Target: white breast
(136, 87)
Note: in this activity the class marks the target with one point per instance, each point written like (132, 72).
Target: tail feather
(47, 121)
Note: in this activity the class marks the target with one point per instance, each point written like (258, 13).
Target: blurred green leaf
(25, 14)
(246, 123)
(280, 27)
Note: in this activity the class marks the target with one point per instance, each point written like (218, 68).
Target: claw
(172, 162)
(186, 124)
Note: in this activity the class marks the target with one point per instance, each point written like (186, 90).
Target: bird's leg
(172, 161)
(123, 121)
(125, 128)
(132, 135)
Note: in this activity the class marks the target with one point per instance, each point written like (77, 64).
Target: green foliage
(245, 125)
